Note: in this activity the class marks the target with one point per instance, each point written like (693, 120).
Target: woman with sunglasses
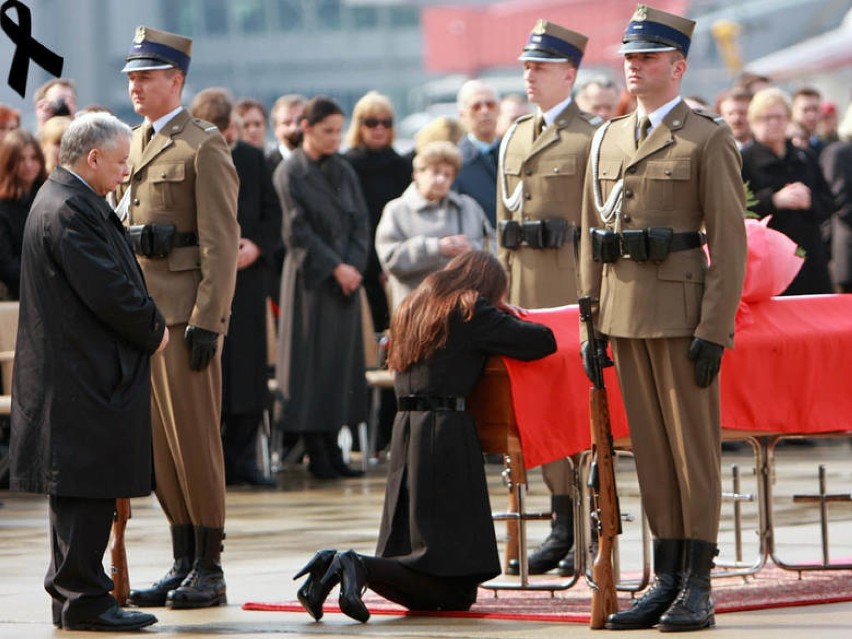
(436, 541)
(320, 364)
(383, 174)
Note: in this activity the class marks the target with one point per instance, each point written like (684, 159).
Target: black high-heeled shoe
(314, 591)
(353, 582)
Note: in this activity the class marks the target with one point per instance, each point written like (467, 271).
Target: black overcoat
(836, 160)
(81, 398)
(766, 174)
(437, 517)
(244, 356)
(320, 363)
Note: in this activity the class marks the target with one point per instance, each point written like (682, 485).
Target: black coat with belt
(81, 398)
(767, 173)
(244, 357)
(437, 517)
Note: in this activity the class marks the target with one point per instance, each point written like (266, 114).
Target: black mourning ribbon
(28, 48)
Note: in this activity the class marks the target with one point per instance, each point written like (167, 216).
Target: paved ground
(272, 533)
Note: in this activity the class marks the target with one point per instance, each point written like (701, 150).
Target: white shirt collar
(553, 112)
(659, 114)
(159, 123)
(284, 150)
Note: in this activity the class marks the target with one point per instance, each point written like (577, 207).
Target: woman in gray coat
(320, 365)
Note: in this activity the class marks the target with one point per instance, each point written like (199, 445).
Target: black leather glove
(588, 362)
(202, 346)
(708, 358)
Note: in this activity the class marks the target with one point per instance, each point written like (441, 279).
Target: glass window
(289, 15)
(404, 16)
(249, 15)
(215, 17)
(180, 18)
(365, 17)
(328, 15)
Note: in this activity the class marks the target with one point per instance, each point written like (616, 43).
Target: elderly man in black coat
(81, 418)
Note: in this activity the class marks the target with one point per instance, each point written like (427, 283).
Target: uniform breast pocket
(665, 177)
(564, 166)
(166, 180)
(609, 172)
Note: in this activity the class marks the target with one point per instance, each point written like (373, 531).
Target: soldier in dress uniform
(542, 165)
(181, 205)
(662, 182)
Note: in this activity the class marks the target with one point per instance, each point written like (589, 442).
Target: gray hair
(90, 131)
(469, 88)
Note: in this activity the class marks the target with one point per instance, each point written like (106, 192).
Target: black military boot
(693, 609)
(183, 550)
(204, 586)
(668, 573)
(556, 550)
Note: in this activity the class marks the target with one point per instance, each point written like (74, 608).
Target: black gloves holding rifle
(708, 358)
(202, 346)
(588, 357)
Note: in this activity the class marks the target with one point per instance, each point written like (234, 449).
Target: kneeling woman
(437, 542)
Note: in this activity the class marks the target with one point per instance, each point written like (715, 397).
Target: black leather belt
(686, 241)
(421, 403)
(184, 238)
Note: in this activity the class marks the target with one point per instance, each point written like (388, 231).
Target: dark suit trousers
(79, 533)
(416, 590)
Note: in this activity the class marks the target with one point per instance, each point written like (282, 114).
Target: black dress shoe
(112, 619)
(353, 582)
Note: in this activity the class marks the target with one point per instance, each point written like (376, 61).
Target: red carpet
(772, 588)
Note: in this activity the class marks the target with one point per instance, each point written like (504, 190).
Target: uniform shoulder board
(524, 118)
(718, 119)
(204, 125)
(591, 118)
(620, 117)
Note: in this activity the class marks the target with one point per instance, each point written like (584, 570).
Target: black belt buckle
(510, 234)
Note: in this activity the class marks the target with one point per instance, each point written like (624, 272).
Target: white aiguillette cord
(609, 209)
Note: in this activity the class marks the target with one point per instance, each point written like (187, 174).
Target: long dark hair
(11, 148)
(420, 325)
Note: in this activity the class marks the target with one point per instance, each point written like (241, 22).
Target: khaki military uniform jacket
(685, 175)
(185, 176)
(551, 169)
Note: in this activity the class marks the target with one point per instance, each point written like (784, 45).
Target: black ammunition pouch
(158, 240)
(606, 245)
(537, 234)
(642, 245)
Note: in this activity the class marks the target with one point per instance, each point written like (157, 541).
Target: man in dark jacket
(81, 424)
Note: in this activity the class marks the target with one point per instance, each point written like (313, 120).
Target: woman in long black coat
(436, 542)
(320, 364)
(836, 160)
(789, 185)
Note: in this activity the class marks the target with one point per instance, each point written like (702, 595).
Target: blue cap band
(148, 49)
(647, 31)
(552, 44)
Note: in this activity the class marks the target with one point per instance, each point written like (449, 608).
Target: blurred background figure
(383, 175)
(836, 161)
(696, 102)
(511, 107)
(10, 119)
(626, 103)
(598, 96)
(477, 177)
(244, 352)
(805, 112)
(285, 116)
(320, 364)
(421, 231)
(827, 127)
(788, 184)
(443, 128)
(55, 97)
(752, 82)
(732, 105)
(251, 118)
(22, 172)
(49, 136)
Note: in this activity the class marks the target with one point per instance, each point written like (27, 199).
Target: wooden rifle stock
(120, 578)
(608, 519)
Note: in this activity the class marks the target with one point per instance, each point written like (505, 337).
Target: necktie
(540, 124)
(644, 128)
(147, 134)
